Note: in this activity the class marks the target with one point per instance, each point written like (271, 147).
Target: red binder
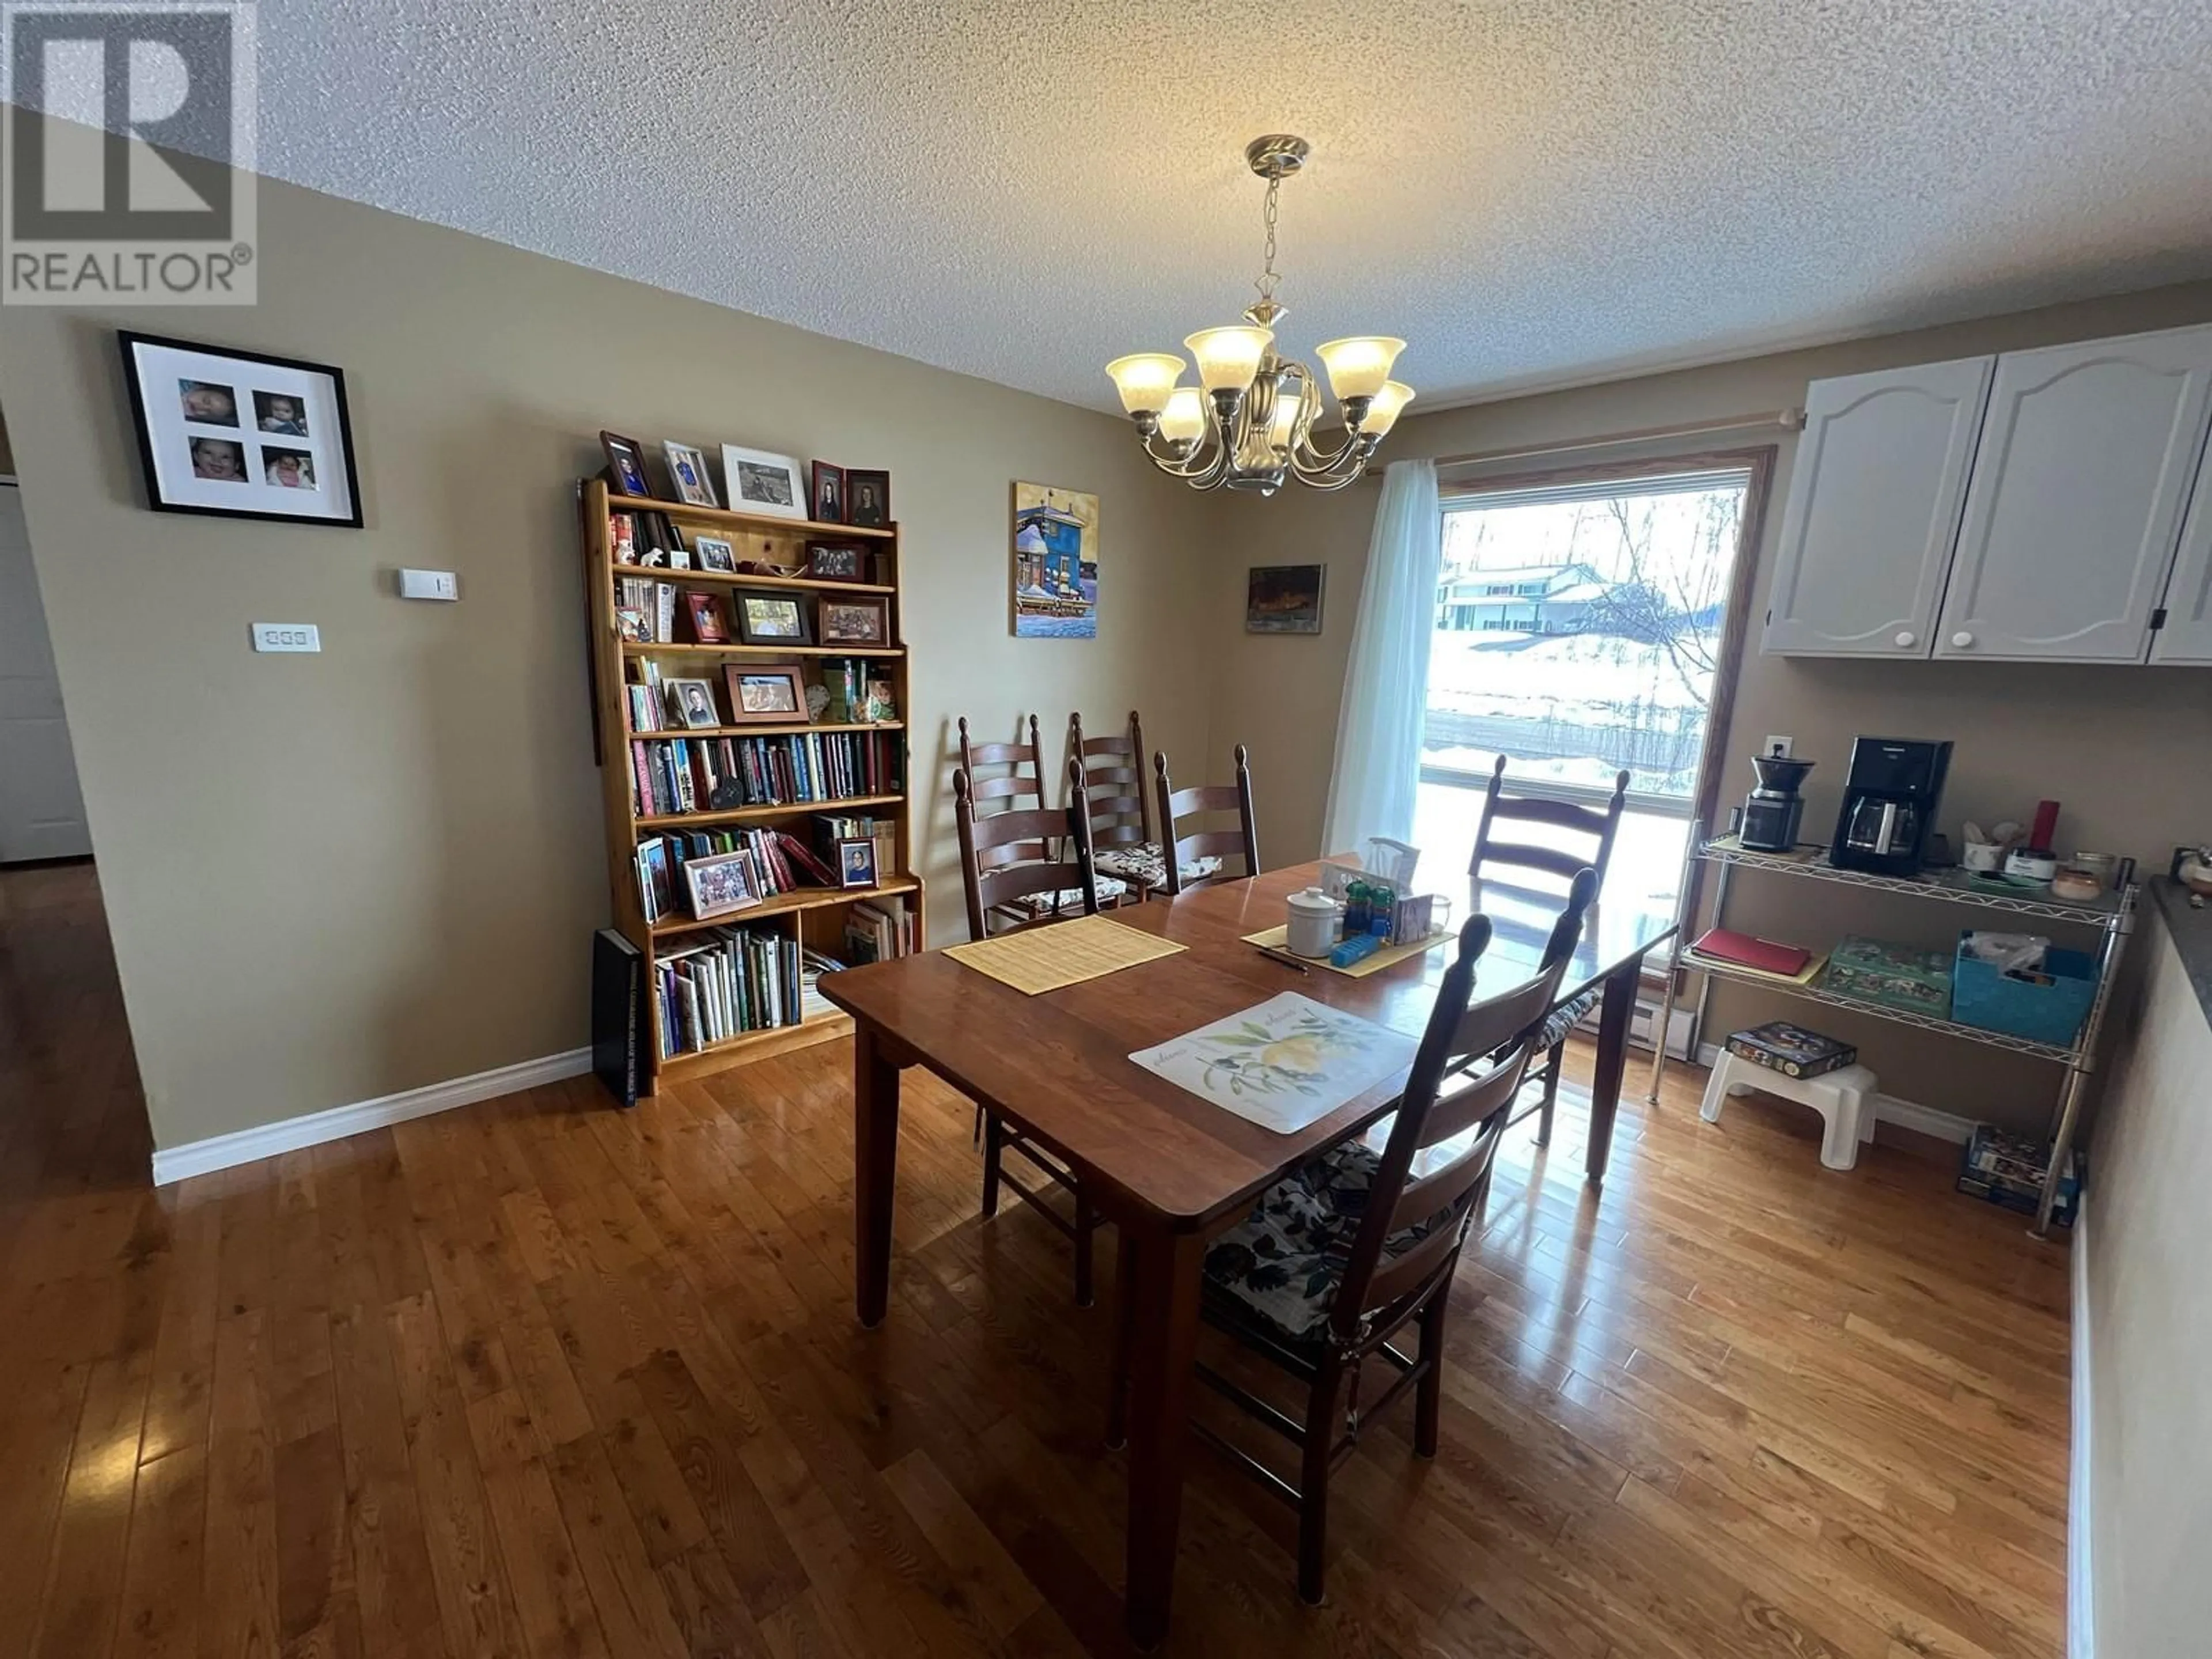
(1725, 945)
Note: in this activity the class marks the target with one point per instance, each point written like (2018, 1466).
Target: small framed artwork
(631, 625)
(239, 435)
(856, 861)
(767, 694)
(625, 464)
(1284, 598)
(692, 703)
(708, 625)
(715, 554)
(882, 702)
(759, 482)
(836, 562)
(828, 494)
(721, 884)
(867, 497)
(687, 470)
(770, 619)
(855, 620)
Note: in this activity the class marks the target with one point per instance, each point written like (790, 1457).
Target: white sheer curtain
(1378, 729)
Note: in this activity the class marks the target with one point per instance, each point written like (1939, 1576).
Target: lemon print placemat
(1285, 1064)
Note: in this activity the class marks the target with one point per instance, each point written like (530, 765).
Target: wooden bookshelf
(814, 916)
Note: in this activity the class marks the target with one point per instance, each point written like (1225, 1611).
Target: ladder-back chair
(1338, 1257)
(1594, 828)
(1187, 851)
(992, 793)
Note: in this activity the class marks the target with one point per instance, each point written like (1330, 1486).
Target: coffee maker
(1890, 798)
(1772, 811)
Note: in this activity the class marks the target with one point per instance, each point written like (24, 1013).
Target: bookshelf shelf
(814, 918)
(645, 649)
(753, 814)
(759, 524)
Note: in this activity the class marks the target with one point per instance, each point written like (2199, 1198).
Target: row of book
(727, 982)
(717, 774)
(876, 930)
(774, 863)
(646, 610)
(845, 826)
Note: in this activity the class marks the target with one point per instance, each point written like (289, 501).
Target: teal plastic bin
(1985, 998)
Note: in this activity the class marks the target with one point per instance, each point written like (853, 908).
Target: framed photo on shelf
(630, 623)
(828, 495)
(687, 470)
(721, 884)
(766, 694)
(836, 562)
(856, 861)
(708, 625)
(858, 621)
(239, 435)
(765, 618)
(867, 497)
(715, 554)
(882, 703)
(760, 482)
(692, 703)
(625, 466)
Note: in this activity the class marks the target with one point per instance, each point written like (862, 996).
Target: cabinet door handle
(1962, 639)
(1905, 637)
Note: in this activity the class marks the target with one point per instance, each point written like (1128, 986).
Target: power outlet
(428, 585)
(287, 636)
(1775, 749)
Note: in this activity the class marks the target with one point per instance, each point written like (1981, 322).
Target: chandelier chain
(1268, 279)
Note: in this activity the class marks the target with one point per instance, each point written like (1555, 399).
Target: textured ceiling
(1531, 192)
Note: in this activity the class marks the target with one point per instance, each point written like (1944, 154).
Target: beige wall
(2099, 739)
(335, 877)
(2149, 1326)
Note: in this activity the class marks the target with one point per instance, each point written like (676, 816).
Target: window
(1596, 643)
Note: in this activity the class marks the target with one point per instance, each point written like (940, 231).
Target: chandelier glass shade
(1248, 422)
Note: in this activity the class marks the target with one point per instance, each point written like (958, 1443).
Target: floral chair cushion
(1564, 1019)
(1286, 1260)
(1144, 863)
(1068, 900)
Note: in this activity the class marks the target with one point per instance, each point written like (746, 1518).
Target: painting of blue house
(1055, 563)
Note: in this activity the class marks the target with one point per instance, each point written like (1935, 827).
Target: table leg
(875, 1170)
(1614, 1014)
(1165, 1290)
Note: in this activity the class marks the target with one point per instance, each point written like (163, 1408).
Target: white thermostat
(287, 636)
(430, 584)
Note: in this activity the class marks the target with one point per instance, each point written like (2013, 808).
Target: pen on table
(1283, 956)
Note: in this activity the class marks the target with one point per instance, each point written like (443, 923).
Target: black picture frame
(837, 561)
(825, 501)
(129, 341)
(874, 488)
(741, 601)
(619, 449)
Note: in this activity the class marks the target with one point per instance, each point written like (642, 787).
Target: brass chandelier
(1248, 422)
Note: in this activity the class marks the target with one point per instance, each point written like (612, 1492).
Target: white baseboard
(2080, 1581)
(198, 1158)
(1891, 1108)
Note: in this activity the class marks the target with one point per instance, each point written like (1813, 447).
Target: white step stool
(1843, 1098)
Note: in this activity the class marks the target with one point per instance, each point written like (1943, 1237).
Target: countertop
(2192, 935)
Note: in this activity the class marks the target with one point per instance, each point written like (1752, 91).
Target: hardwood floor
(538, 1377)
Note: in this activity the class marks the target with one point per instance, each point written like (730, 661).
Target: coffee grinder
(1770, 812)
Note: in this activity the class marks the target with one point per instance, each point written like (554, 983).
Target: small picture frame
(626, 465)
(1284, 598)
(687, 470)
(767, 694)
(836, 562)
(631, 625)
(715, 554)
(867, 497)
(691, 704)
(856, 861)
(760, 481)
(827, 493)
(720, 883)
(239, 435)
(882, 702)
(708, 625)
(766, 616)
(861, 620)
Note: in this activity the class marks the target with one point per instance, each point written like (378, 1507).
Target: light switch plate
(287, 636)
(1776, 748)
(430, 584)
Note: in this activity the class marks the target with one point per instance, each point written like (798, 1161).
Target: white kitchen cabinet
(2187, 634)
(1874, 498)
(2087, 456)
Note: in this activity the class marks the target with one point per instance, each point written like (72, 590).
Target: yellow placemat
(1277, 938)
(1040, 959)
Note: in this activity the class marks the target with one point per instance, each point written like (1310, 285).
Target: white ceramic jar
(1312, 923)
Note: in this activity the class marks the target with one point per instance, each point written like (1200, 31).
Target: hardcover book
(1791, 1049)
(617, 1015)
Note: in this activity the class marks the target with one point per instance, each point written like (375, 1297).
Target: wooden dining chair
(1006, 858)
(1594, 828)
(993, 793)
(1347, 1251)
(1184, 852)
(1120, 810)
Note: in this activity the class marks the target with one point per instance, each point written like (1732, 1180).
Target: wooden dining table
(1168, 1168)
